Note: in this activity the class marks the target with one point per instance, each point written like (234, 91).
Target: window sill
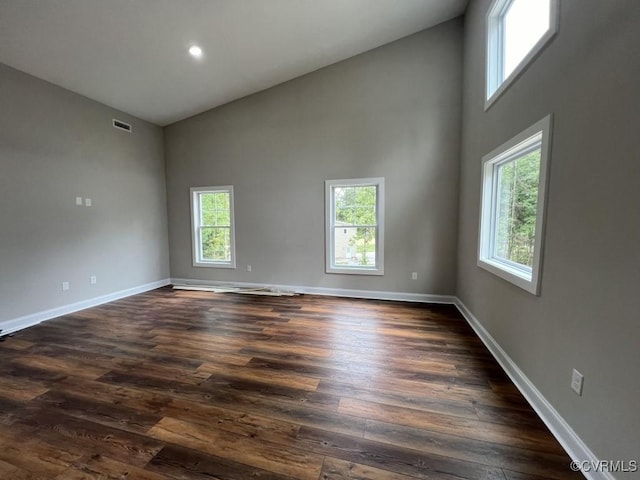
(215, 264)
(512, 275)
(355, 271)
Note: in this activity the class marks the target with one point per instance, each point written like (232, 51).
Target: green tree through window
(354, 234)
(517, 209)
(215, 226)
(355, 215)
(212, 226)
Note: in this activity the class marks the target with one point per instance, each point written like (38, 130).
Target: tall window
(516, 31)
(355, 226)
(213, 227)
(513, 202)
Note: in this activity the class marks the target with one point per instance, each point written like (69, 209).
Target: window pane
(366, 215)
(355, 205)
(212, 225)
(354, 246)
(525, 22)
(516, 209)
(223, 218)
(216, 244)
(343, 197)
(222, 200)
(207, 215)
(207, 201)
(344, 216)
(215, 209)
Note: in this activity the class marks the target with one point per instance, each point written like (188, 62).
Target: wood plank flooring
(197, 385)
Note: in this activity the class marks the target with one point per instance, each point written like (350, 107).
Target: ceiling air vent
(120, 125)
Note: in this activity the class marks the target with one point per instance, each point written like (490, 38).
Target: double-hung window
(516, 31)
(354, 214)
(513, 205)
(213, 227)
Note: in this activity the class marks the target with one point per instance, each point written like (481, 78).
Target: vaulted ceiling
(132, 54)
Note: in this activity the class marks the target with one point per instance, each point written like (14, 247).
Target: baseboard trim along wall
(560, 429)
(11, 326)
(333, 292)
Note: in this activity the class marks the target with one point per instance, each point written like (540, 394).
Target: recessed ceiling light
(195, 51)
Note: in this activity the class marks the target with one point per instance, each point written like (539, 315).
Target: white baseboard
(334, 292)
(11, 326)
(570, 441)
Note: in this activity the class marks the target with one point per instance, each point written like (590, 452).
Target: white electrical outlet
(577, 380)
(248, 268)
(414, 275)
(65, 286)
(93, 279)
(79, 201)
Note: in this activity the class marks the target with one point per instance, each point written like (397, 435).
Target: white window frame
(495, 83)
(521, 144)
(330, 185)
(198, 261)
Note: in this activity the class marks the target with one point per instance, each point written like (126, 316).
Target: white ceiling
(132, 54)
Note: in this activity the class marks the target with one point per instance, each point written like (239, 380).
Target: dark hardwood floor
(196, 385)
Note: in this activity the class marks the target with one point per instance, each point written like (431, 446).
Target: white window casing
(342, 236)
(536, 137)
(498, 77)
(199, 224)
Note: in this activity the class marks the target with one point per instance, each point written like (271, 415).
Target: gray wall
(393, 112)
(587, 314)
(56, 145)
